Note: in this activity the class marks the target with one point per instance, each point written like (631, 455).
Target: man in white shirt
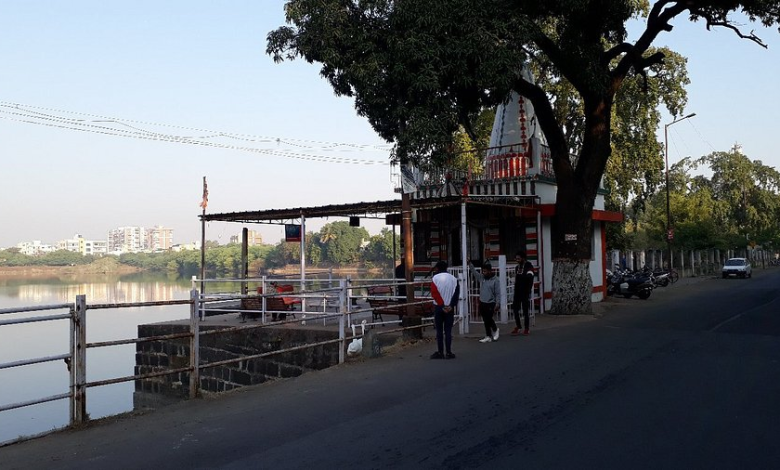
(445, 292)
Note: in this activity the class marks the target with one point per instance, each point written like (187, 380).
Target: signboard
(393, 219)
(670, 234)
(292, 233)
(570, 237)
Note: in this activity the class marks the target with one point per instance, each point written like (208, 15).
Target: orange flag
(205, 201)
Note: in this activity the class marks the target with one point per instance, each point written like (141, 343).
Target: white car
(738, 267)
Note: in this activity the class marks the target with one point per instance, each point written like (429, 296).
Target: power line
(122, 128)
(698, 132)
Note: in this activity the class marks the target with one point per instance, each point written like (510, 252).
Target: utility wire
(698, 132)
(103, 125)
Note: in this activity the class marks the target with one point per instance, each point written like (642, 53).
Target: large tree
(419, 69)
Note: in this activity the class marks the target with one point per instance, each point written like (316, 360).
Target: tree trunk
(572, 236)
(571, 288)
(572, 225)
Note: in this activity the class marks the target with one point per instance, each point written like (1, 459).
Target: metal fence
(328, 304)
(688, 263)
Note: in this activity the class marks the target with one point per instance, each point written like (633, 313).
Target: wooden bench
(397, 307)
(252, 307)
(379, 290)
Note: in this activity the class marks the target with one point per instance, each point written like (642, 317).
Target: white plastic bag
(356, 346)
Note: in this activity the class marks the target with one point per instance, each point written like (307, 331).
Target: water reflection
(103, 289)
(41, 339)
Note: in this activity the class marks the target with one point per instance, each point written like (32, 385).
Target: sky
(165, 93)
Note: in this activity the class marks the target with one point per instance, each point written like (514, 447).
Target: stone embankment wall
(156, 356)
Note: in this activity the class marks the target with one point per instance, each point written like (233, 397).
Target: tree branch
(657, 21)
(622, 48)
(725, 24)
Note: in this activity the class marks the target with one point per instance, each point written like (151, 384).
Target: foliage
(337, 244)
(380, 248)
(343, 243)
(737, 205)
(420, 69)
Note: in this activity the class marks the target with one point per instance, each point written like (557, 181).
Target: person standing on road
(400, 273)
(445, 292)
(524, 283)
(489, 299)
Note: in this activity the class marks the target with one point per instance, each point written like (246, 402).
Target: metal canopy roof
(357, 209)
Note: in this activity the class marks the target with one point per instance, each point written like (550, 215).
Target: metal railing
(341, 309)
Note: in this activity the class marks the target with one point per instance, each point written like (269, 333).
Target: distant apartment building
(34, 248)
(186, 247)
(137, 239)
(95, 247)
(159, 239)
(79, 244)
(126, 240)
(74, 244)
(254, 238)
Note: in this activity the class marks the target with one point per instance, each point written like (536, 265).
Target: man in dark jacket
(524, 283)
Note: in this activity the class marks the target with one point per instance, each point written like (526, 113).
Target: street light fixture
(669, 230)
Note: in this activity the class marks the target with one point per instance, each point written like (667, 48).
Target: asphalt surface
(687, 379)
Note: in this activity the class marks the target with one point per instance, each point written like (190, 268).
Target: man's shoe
(486, 339)
(526, 332)
(450, 356)
(437, 355)
(515, 331)
(495, 335)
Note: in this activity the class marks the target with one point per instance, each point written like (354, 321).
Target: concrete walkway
(212, 432)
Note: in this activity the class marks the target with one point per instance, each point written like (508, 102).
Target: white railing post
(72, 365)
(195, 308)
(348, 301)
(79, 393)
(344, 303)
(463, 303)
(502, 282)
(264, 287)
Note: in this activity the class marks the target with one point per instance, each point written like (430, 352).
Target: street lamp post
(669, 231)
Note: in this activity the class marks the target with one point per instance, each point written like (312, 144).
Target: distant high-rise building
(135, 239)
(159, 238)
(126, 240)
(253, 238)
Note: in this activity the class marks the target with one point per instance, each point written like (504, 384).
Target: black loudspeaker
(393, 219)
(354, 221)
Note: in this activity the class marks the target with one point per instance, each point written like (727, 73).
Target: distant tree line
(722, 200)
(336, 244)
(13, 257)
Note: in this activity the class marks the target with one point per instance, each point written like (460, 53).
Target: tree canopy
(730, 203)
(420, 69)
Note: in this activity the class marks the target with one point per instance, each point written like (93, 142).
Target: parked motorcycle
(661, 278)
(630, 284)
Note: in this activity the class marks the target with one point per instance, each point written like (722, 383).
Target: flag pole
(203, 204)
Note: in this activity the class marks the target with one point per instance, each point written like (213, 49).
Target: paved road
(687, 379)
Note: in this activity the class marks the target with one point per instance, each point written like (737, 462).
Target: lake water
(41, 339)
